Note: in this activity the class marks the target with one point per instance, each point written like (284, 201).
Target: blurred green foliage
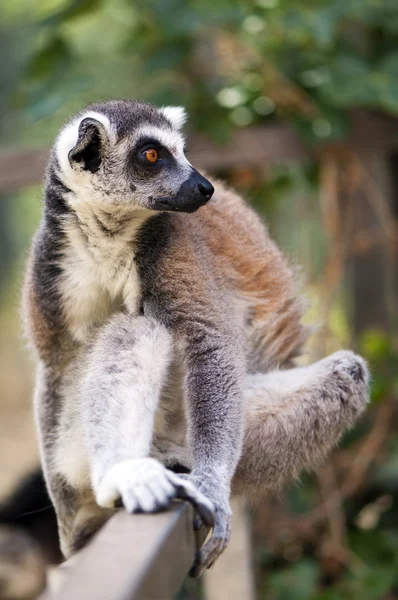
(382, 355)
(373, 576)
(231, 63)
(373, 570)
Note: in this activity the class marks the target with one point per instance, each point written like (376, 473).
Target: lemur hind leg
(88, 520)
(78, 515)
(84, 518)
(69, 500)
(295, 417)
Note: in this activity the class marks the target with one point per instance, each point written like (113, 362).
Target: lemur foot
(145, 485)
(348, 375)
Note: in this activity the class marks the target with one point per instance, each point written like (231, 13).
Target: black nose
(206, 189)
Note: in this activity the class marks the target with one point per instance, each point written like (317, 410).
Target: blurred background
(296, 106)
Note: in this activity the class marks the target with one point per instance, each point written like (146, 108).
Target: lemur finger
(151, 495)
(212, 549)
(187, 491)
(108, 496)
(130, 503)
(198, 521)
(147, 501)
(162, 491)
(209, 553)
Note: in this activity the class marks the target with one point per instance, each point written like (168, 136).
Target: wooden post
(232, 576)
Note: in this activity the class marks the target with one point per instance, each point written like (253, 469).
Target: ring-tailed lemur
(159, 334)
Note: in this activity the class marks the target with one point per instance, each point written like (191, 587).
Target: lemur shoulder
(162, 314)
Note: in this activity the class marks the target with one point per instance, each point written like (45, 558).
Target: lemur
(166, 323)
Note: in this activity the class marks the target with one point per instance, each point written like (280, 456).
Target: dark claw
(160, 506)
(198, 523)
(195, 569)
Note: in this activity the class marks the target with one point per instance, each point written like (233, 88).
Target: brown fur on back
(254, 267)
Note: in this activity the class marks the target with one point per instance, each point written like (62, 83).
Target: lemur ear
(89, 148)
(176, 115)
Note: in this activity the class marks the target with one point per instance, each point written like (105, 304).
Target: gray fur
(144, 342)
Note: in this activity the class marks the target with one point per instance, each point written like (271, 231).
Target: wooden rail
(133, 557)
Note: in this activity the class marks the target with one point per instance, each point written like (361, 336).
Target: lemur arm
(210, 339)
(213, 386)
(215, 406)
(121, 385)
(120, 393)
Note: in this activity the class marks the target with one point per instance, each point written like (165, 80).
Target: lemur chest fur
(98, 266)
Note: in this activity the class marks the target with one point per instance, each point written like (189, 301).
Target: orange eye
(151, 155)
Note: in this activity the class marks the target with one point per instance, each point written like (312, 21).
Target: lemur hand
(219, 497)
(145, 485)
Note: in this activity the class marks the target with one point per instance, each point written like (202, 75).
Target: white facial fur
(68, 137)
(98, 268)
(175, 114)
(114, 186)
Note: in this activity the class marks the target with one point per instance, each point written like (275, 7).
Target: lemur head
(132, 154)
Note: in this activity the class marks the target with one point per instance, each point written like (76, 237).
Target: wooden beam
(21, 168)
(232, 576)
(254, 146)
(133, 557)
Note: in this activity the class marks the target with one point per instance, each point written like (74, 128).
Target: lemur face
(131, 154)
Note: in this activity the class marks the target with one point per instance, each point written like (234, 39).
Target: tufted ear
(175, 114)
(89, 148)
